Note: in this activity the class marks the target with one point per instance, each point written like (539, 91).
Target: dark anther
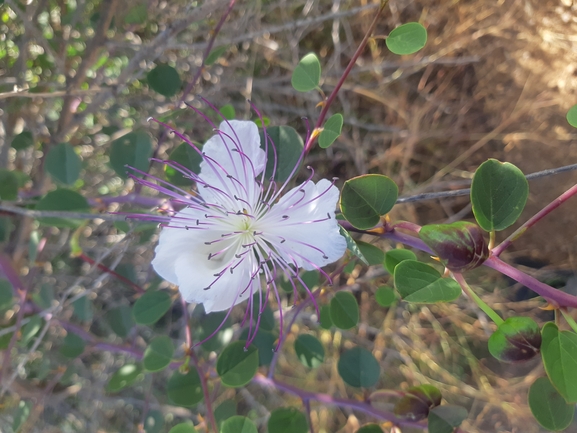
(325, 257)
(229, 176)
(207, 243)
(284, 217)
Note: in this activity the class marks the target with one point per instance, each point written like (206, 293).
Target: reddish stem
(111, 272)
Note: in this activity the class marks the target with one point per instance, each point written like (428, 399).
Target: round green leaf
(370, 428)
(62, 200)
(6, 294)
(421, 283)
(137, 15)
(325, 320)
(265, 342)
(238, 424)
(284, 148)
(83, 309)
(133, 150)
(158, 354)
(120, 320)
(309, 350)
(516, 339)
(417, 402)
(344, 310)
(215, 54)
(385, 296)
(287, 420)
(444, 419)
(236, 365)
(6, 228)
(548, 407)
(184, 389)
(373, 255)
(8, 185)
(150, 307)
(154, 422)
(224, 411)
(407, 39)
(229, 113)
(364, 199)
(331, 130)
(358, 367)
(559, 352)
(30, 330)
(307, 74)
(183, 427)
(63, 164)
(498, 193)
(73, 345)
(165, 80)
(206, 328)
(123, 377)
(186, 156)
(572, 116)
(23, 140)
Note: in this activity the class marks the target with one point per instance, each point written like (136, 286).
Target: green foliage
(572, 116)
(228, 112)
(353, 246)
(516, 339)
(331, 130)
(559, 353)
(238, 424)
(284, 147)
(6, 294)
(548, 407)
(309, 350)
(186, 156)
(183, 427)
(83, 309)
(407, 39)
(498, 193)
(22, 414)
(154, 422)
(23, 140)
(215, 54)
(206, 326)
(184, 389)
(63, 164)
(325, 320)
(150, 307)
(359, 368)
(344, 310)
(444, 419)
(30, 330)
(370, 428)
(132, 150)
(385, 296)
(417, 402)
(364, 199)
(164, 79)
(158, 354)
(63, 200)
(287, 420)
(394, 257)
(123, 377)
(307, 74)
(265, 342)
(72, 346)
(224, 411)
(421, 283)
(120, 320)
(8, 185)
(237, 365)
(373, 255)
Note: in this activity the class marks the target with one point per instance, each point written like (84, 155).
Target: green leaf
(238, 424)
(123, 377)
(364, 199)
(137, 15)
(444, 419)
(394, 257)
(23, 140)
(460, 245)
(185, 389)
(158, 354)
(548, 407)
(331, 130)
(559, 353)
(63, 164)
(164, 79)
(215, 55)
(44, 297)
(83, 309)
(325, 320)
(21, 414)
(352, 245)
(417, 402)
(498, 193)
(373, 255)
(516, 339)
(267, 321)
(265, 342)
(370, 428)
(186, 156)
(183, 427)
(572, 116)
(72, 346)
(307, 74)
(30, 330)
(309, 350)
(120, 320)
(385, 296)
(407, 39)
(6, 228)
(421, 283)
(63, 200)
(224, 411)
(285, 147)
(287, 420)
(358, 367)
(6, 294)
(154, 422)
(344, 310)
(8, 185)
(150, 307)
(236, 365)
(206, 327)
(228, 112)
(133, 150)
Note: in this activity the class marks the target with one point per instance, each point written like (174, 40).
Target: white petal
(311, 232)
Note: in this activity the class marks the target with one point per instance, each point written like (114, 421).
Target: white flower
(238, 234)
